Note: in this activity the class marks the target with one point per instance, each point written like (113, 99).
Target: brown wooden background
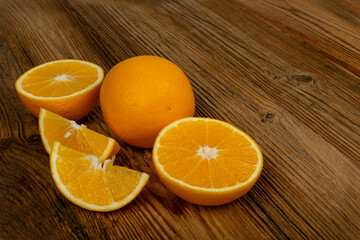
(285, 71)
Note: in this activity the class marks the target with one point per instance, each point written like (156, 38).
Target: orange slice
(67, 87)
(206, 161)
(56, 128)
(91, 184)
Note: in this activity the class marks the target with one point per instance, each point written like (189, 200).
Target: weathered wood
(286, 72)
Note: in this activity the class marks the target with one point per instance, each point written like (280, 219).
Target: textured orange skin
(141, 95)
(73, 108)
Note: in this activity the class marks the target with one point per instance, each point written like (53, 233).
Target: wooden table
(285, 71)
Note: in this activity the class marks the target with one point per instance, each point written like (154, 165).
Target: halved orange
(91, 184)
(56, 128)
(206, 161)
(67, 87)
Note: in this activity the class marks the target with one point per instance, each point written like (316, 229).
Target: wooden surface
(286, 72)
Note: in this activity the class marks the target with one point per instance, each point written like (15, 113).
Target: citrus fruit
(206, 161)
(67, 87)
(141, 95)
(56, 128)
(91, 184)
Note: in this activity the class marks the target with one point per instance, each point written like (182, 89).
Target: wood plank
(286, 72)
(320, 29)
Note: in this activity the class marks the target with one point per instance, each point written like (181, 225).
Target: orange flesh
(207, 154)
(82, 139)
(94, 183)
(54, 81)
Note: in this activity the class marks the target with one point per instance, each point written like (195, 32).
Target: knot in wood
(267, 117)
(301, 78)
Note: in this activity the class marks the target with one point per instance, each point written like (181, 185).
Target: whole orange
(141, 95)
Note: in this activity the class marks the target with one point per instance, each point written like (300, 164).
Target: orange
(67, 87)
(141, 95)
(91, 184)
(206, 161)
(56, 128)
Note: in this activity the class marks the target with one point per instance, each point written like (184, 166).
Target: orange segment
(200, 175)
(240, 170)
(176, 137)
(123, 181)
(216, 133)
(206, 161)
(233, 141)
(97, 191)
(179, 168)
(168, 155)
(195, 131)
(78, 183)
(56, 128)
(72, 164)
(221, 176)
(93, 185)
(67, 87)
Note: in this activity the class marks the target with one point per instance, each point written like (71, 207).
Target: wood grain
(286, 72)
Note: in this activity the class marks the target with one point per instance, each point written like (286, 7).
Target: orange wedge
(56, 128)
(91, 184)
(206, 161)
(67, 87)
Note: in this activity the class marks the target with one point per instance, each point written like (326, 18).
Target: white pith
(63, 77)
(73, 126)
(207, 152)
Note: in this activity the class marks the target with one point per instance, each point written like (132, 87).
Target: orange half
(67, 87)
(206, 161)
